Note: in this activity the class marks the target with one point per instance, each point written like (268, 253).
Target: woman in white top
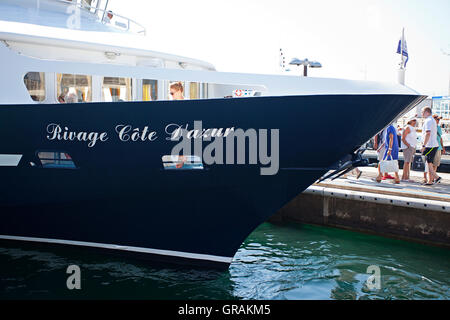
(409, 143)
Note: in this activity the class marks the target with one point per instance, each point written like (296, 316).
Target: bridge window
(90, 4)
(35, 83)
(74, 88)
(116, 89)
(149, 90)
(204, 90)
(56, 159)
(194, 90)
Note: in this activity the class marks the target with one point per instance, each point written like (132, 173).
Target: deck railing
(103, 15)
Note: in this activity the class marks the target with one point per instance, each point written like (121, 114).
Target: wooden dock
(408, 211)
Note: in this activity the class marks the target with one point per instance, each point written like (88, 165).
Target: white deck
(405, 194)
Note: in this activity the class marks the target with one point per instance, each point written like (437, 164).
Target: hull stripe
(197, 256)
(10, 160)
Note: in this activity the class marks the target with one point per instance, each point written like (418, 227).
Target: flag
(402, 48)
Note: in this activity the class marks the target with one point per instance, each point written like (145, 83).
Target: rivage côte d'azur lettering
(128, 133)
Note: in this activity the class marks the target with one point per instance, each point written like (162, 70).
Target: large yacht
(122, 167)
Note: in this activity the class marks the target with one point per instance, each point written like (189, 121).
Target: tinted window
(56, 159)
(35, 83)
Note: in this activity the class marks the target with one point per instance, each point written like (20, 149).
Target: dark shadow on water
(33, 271)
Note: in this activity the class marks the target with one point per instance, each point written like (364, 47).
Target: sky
(352, 39)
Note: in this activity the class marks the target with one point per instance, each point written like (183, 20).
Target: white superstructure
(51, 47)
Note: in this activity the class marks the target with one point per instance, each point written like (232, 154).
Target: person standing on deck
(399, 135)
(391, 152)
(409, 143)
(380, 146)
(71, 96)
(176, 90)
(441, 148)
(430, 144)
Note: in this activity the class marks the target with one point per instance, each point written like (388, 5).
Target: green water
(286, 261)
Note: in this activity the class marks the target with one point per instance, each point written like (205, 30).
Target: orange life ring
(238, 93)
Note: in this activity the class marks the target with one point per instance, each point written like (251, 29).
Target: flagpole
(402, 46)
(401, 71)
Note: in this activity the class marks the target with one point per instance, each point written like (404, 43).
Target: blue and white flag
(402, 48)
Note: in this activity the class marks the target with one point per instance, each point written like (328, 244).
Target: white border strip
(180, 254)
(10, 160)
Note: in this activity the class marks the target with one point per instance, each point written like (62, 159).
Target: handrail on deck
(84, 5)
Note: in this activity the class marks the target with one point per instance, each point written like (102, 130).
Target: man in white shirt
(430, 144)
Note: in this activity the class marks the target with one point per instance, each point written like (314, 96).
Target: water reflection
(275, 262)
(307, 262)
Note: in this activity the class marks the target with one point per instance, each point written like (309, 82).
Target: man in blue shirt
(391, 152)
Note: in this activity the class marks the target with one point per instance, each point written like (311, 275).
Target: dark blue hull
(120, 197)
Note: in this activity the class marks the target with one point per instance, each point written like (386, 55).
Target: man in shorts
(430, 144)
